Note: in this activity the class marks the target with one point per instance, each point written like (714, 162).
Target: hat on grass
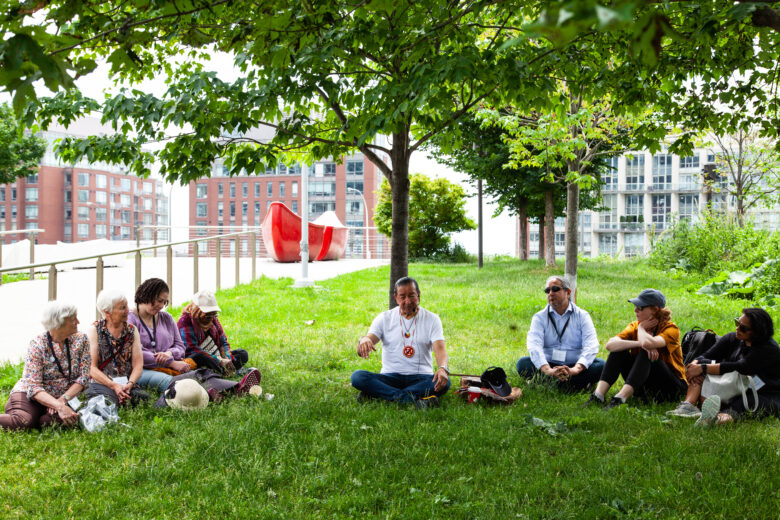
(206, 301)
(495, 377)
(651, 297)
(187, 395)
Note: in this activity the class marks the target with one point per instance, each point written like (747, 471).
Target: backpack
(696, 342)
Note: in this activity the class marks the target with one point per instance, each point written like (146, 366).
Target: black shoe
(427, 402)
(593, 399)
(615, 401)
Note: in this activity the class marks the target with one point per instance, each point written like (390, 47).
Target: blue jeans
(154, 379)
(402, 388)
(577, 383)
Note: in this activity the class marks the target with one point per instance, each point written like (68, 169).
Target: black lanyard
(50, 344)
(154, 328)
(552, 320)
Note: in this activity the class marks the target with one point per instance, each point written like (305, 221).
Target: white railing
(31, 233)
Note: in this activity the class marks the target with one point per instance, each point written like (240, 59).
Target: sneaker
(250, 380)
(614, 402)
(709, 411)
(427, 402)
(594, 399)
(685, 409)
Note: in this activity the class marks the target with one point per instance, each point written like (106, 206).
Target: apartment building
(242, 201)
(83, 201)
(644, 194)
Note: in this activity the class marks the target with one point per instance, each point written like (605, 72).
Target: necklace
(407, 332)
(408, 350)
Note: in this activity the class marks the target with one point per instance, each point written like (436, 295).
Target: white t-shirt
(412, 355)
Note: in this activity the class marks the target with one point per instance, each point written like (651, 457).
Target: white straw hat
(187, 395)
(206, 301)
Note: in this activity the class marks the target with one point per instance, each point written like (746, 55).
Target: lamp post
(365, 211)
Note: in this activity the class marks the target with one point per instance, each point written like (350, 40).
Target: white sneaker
(709, 411)
(685, 409)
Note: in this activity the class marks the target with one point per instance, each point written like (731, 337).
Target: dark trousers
(581, 381)
(137, 395)
(767, 405)
(240, 358)
(403, 388)
(649, 379)
(22, 414)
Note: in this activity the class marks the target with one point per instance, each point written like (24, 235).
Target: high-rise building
(233, 202)
(83, 201)
(643, 195)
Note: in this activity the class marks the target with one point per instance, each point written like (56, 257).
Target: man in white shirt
(409, 334)
(562, 341)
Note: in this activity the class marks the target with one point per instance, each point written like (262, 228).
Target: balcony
(662, 187)
(689, 187)
(633, 186)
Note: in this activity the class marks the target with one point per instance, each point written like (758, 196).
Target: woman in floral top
(56, 370)
(115, 348)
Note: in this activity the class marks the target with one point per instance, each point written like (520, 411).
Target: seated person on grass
(750, 351)
(408, 334)
(562, 341)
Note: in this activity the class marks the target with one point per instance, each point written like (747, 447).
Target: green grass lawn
(313, 452)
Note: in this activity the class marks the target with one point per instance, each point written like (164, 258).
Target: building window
(13, 194)
(257, 190)
(30, 225)
(83, 195)
(689, 162)
(689, 207)
(321, 207)
(148, 204)
(281, 190)
(635, 173)
(125, 215)
(610, 175)
(101, 231)
(83, 230)
(354, 185)
(31, 194)
(294, 188)
(661, 207)
(124, 233)
(2, 193)
(245, 189)
(201, 191)
(220, 209)
(83, 180)
(125, 184)
(244, 209)
(101, 197)
(257, 213)
(282, 169)
(608, 244)
(354, 206)
(355, 168)
(201, 209)
(31, 211)
(83, 212)
(148, 188)
(148, 219)
(124, 201)
(31, 179)
(68, 196)
(220, 189)
(634, 244)
(322, 189)
(232, 210)
(295, 206)
(101, 181)
(232, 190)
(329, 169)
(269, 189)
(662, 172)
(294, 169)
(100, 214)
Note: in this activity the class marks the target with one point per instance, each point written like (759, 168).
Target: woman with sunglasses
(647, 354)
(750, 350)
(161, 345)
(204, 338)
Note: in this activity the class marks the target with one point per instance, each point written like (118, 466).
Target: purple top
(168, 338)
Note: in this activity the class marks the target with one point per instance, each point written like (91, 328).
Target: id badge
(758, 382)
(121, 380)
(558, 355)
(74, 404)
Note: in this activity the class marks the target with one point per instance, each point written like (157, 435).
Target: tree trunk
(549, 229)
(572, 235)
(522, 215)
(399, 240)
(541, 238)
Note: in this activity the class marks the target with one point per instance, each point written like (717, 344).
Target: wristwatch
(446, 368)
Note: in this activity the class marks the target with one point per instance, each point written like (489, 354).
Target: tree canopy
(20, 152)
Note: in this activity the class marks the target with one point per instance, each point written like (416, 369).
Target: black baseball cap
(495, 377)
(651, 297)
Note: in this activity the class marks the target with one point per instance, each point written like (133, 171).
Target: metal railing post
(219, 262)
(31, 236)
(195, 267)
(169, 265)
(154, 237)
(2, 239)
(137, 268)
(253, 245)
(238, 258)
(52, 282)
(98, 281)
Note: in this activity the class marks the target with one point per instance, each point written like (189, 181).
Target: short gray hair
(561, 280)
(55, 313)
(107, 298)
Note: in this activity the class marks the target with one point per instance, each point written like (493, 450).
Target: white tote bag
(730, 385)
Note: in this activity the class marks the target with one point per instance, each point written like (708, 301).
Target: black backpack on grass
(696, 342)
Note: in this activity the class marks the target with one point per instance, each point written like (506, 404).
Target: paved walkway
(21, 302)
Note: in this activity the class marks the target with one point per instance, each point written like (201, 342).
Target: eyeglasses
(740, 327)
(162, 302)
(640, 307)
(554, 288)
(211, 315)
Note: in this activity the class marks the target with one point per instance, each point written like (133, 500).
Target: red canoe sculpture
(282, 235)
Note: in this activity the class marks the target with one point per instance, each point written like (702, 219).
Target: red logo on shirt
(409, 351)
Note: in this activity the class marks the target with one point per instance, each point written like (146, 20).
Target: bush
(457, 254)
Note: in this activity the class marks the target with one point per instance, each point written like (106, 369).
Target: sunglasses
(554, 288)
(210, 316)
(640, 307)
(741, 327)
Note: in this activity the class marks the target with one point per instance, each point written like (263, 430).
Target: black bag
(696, 342)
